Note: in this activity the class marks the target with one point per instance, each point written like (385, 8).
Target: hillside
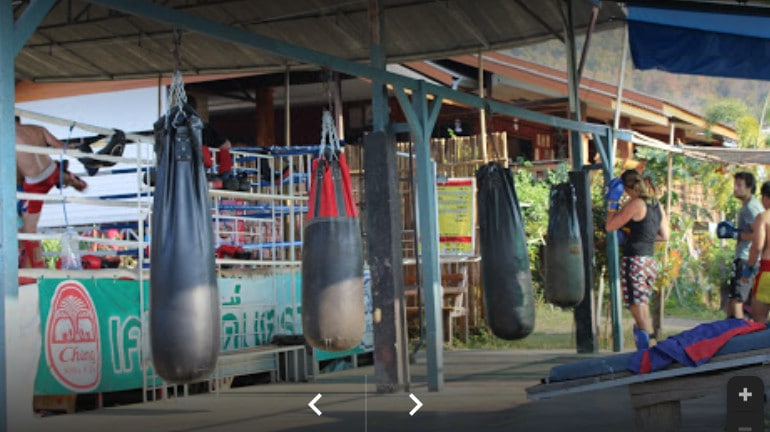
(689, 91)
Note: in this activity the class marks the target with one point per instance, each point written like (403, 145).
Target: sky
(129, 110)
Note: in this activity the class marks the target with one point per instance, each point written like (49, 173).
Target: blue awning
(700, 42)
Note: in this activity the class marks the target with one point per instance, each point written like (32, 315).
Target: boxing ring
(259, 289)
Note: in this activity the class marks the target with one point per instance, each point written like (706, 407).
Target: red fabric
(701, 351)
(207, 162)
(229, 251)
(91, 262)
(764, 267)
(646, 364)
(691, 347)
(41, 187)
(23, 280)
(328, 203)
(224, 160)
(27, 255)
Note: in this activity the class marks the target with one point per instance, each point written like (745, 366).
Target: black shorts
(739, 290)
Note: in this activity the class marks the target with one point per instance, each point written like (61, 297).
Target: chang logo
(72, 338)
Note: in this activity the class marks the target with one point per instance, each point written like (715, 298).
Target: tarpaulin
(692, 347)
(700, 42)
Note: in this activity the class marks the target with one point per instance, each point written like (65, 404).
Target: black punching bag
(564, 272)
(507, 280)
(332, 256)
(184, 302)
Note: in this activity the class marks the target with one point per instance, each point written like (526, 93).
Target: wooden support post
(383, 241)
(482, 111)
(584, 323)
(662, 417)
(265, 117)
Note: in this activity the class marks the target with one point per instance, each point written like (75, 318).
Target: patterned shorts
(637, 276)
(738, 289)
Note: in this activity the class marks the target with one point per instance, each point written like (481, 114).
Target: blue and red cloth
(691, 347)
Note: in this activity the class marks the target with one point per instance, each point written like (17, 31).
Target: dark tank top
(641, 240)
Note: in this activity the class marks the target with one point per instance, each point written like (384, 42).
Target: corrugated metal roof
(80, 41)
(727, 155)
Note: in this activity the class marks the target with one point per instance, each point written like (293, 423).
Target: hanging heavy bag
(507, 279)
(332, 254)
(564, 272)
(184, 302)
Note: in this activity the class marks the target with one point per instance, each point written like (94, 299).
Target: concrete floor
(484, 391)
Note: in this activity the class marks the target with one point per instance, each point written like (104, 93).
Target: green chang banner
(91, 334)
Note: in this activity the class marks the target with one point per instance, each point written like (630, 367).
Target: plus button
(745, 394)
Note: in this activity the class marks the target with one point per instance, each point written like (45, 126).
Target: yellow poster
(457, 216)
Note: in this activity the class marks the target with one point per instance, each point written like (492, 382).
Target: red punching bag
(332, 255)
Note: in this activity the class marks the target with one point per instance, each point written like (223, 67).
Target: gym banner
(255, 309)
(457, 216)
(91, 335)
(92, 338)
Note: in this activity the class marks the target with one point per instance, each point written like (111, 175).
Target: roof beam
(537, 18)
(306, 55)
(465, 22)
(32, 16)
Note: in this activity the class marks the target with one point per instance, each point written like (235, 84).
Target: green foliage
(732, 111)
(726, 111)
(687, 171)
(747, 128)
(535, 194)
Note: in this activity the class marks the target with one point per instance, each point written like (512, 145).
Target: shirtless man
(40, 174)
(759, 260)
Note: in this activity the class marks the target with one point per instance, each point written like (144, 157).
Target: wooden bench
(286, 363)
(656, 397)
(62, 402)
(454, 294)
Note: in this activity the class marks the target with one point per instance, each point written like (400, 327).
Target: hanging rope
(61, 175)
(70, 248)
(176, 93)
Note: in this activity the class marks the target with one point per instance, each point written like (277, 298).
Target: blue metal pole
(28, 21)
(13, 36)
(8, 236)
(428, 223)
(605, 147)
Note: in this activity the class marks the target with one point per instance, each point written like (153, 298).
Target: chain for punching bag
(332, 254)
(184, 302)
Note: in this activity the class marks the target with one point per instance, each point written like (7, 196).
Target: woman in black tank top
(647, 223)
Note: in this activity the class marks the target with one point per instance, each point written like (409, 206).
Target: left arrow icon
(312, 406)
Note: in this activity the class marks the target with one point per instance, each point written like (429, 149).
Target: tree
(731, 111)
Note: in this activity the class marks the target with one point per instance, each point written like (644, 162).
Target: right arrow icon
(417, 402)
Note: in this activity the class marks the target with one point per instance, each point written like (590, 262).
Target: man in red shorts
(759, 260)
(40, 173)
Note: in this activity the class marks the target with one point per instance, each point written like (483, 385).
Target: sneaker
(641, 338)
(244, 184)
(231, 183)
